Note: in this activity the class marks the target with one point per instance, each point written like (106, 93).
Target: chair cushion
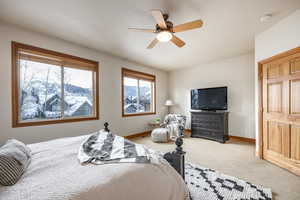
(14, 159)
(160, 135)
(177, 123)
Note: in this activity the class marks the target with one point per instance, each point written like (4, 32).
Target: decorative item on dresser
(210, 125)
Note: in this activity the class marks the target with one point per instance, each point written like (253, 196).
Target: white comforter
(55, 174)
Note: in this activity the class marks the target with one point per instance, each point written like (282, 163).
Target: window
(51, 87)
(138, 93)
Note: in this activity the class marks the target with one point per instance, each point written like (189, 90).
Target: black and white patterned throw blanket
(105, 147)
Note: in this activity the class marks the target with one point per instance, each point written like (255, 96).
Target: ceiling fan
(165, 30)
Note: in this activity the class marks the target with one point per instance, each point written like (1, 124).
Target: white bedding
(55, 174)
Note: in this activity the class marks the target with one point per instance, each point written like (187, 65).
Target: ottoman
(160, 135)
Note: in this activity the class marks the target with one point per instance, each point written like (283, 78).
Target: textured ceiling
(229, 26)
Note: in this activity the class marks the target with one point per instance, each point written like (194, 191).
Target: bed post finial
(179, 143)
(106, 127)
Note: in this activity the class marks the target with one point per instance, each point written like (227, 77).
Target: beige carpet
(237, 159)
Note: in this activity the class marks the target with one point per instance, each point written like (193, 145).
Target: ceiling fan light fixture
(164, 36)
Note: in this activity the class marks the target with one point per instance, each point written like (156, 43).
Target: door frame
(260, 93)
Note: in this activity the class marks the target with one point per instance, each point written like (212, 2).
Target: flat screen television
(210, 99)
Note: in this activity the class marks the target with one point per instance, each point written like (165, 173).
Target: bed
(55, 173)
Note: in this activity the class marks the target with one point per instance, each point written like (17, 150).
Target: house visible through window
(50, 87)
(138, 93)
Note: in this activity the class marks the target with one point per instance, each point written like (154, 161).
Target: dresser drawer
(207, 132)
(212, 125)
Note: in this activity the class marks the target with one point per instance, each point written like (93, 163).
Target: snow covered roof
(148, 93)
(74, 102)
(133, 106)
(43, 98)
(76, 106)
(71, 99)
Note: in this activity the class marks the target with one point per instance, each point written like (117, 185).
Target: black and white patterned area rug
(208, 184)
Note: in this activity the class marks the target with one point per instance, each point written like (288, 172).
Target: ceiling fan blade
(152, 44)
(159, 18)
(143, 30)
(188, 26)
(177, 41)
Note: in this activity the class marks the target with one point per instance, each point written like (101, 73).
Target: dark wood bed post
(175, 158)
(106, 127)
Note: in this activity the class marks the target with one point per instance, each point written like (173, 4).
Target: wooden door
(281, 112)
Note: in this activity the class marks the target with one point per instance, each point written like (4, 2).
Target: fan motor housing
(169, 26)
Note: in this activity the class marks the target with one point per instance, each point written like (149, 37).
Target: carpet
(205, 183)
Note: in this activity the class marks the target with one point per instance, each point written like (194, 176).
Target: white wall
(237, 73)
(110, 90)
(281, 37)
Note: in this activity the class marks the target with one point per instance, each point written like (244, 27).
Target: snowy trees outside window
(138, 93)
(53, 88)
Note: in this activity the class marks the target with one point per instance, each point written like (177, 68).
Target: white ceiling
(229, 26)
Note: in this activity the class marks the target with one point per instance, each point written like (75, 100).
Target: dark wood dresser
(210, 125)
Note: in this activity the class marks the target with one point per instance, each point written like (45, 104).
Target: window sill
(48, 122)
(138, 114)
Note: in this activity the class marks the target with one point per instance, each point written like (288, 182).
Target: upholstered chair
(172, 127)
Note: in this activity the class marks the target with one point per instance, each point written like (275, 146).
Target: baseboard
(146, 133)
(188, 131)
(249, 140)
(243, 139)
(257, 154)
